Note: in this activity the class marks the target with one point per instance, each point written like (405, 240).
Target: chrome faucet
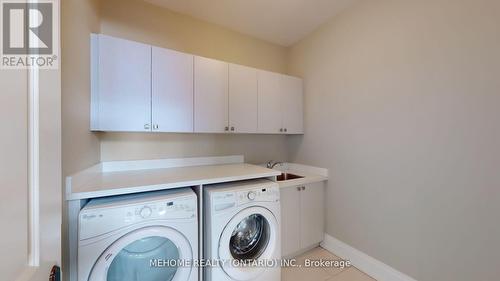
(271, 164)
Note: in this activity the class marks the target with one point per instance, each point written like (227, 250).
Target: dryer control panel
(98, 220)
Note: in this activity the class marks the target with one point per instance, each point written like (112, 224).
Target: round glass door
(250, 235)
(250, 238)
(134, 261)
(143, 254)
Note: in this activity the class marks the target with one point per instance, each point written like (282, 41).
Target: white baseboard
(367, 264)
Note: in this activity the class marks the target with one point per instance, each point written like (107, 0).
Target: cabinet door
(270, 103)
(172, 92)
(290, 220)
(210, 95)
(242, 99)
(124, 85)
(312, 205)
(293, 116)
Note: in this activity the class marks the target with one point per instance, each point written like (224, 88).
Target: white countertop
(94, 182)
(124, 177)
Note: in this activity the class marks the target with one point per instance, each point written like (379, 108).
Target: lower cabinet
(302, 217)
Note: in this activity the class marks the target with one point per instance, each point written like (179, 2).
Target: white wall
(403, 107)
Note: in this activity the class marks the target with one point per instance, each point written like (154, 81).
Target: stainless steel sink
(288, 176)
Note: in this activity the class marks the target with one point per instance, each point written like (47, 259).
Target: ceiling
(283, 22)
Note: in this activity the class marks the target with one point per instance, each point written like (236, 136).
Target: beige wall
(402, 105)
(80, 147)
(14, 172)
(50, 184)
(143, 22)
(255, 148)
(140, 21)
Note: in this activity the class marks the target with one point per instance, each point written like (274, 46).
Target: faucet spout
(271, 164)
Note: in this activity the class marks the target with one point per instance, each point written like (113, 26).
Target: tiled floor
(322, 274)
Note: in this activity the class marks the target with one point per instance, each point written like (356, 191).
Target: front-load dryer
(148, 237)
(242, 231)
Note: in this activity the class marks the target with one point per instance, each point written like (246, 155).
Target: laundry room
(263, 140)
(187, 117)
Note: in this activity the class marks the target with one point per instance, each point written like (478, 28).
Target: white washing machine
(242, 231)
(148, 237)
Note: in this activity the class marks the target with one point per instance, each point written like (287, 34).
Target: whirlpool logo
(30, 34)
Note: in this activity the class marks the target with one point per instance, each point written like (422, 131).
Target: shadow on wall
(293, 144)
(257, 149)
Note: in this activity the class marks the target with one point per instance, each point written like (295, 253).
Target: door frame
(44, 169)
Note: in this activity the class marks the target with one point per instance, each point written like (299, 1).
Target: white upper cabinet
(121, 85)
(242, 99)
(141, 88)
(270, 112)
(210, 95)
(172, 91)
(280, 104)
(292, 97)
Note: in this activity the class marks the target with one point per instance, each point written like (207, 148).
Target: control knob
(145, 212)
(251, 195)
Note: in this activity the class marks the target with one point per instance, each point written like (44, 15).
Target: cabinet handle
(303, 188)
(281, 130)
(226, 129)
(286, 130)
(232, 129)
(299, 188)
(156, 127)
(146, 127)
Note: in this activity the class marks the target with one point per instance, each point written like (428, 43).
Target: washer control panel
(225, 200)
(262, 194)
